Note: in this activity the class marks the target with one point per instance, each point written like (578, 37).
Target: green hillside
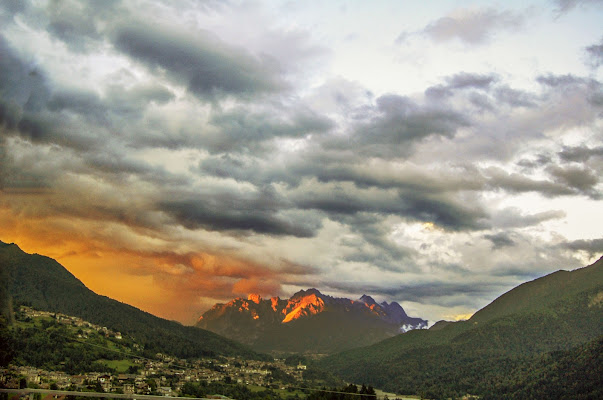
(45, 343)
(44, 284)
(555, 313)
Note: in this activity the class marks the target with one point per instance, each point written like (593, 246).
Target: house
(105, 382)
(165, 391)
(128, 388)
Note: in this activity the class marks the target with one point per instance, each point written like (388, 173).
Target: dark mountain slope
(46, 285)
(553, 313)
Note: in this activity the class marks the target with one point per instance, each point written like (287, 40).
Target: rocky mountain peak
(256, 298)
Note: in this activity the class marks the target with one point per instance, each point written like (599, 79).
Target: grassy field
(120, 366)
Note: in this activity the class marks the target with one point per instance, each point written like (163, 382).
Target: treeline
(349, 392)
(572, 374)
(236, 391)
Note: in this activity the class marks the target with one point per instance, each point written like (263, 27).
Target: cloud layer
(159, 147)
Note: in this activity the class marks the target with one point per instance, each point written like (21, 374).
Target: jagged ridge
(308, 321)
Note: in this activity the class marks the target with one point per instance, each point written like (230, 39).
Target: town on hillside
(162, 375)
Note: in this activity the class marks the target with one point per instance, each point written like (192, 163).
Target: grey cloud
(460, 81)
(396, 123)
(565, 81)
(241, 129)
(473, 26)
(376, 247)
(204, 64)
(515, 98)
(53, 128)
(499, 179)
(24, 95)
(513, 218)
(500, 240)
(12, 7)
(259, 212)
(582, 179)
(21, 84)
(442, 293)
(465, 80)
(327, 167)
(74, 22)
(83, 102)
(539, 161)
(592, 246)
(442, 211)
(564, 6)
(580, 153)
(595, 54)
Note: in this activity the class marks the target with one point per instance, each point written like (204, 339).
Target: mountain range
(44, 284)
(309, 321)
(542, 339)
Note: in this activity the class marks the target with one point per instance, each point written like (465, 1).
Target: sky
(173, 154)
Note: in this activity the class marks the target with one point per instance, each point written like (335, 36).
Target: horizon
(379, 301)
(174, 155)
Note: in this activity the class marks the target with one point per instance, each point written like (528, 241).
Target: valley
(544, 336)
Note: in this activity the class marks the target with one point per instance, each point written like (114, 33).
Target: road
(97, 394)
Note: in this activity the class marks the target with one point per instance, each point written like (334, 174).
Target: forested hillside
(44, 284)
(488, 353)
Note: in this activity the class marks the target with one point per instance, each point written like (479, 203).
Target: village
(163, 375)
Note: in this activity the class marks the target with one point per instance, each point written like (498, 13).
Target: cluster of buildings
(163, 375)
(85, 326)
(154, 377)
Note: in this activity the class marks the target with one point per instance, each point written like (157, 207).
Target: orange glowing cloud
(133, 263)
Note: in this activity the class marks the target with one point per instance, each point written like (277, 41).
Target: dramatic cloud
(194, 151)
(202, 63)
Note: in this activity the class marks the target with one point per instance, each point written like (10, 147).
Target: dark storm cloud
(204, 64)
(395, 123)
(23, 86)
(261, 211)
(25, 93)
(447, 213)
(473, 26)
